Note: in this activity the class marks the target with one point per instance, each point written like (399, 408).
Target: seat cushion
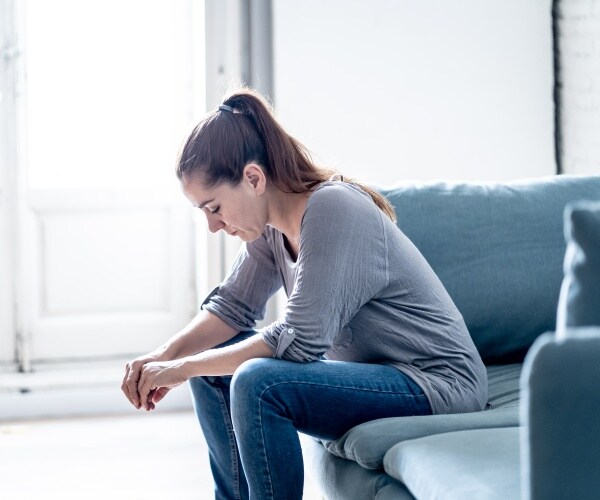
(367, 443)
(475, 465)
(340, 479)
(504, 385)
(495, 247)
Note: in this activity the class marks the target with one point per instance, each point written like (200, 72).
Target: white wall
(579, 47)
(392, 89)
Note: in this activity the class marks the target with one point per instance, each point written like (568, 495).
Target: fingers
(156, 395)
(151, 404)
(139, 383)
(130, 382)
(125, 386)
(159, 394)
(144, 388)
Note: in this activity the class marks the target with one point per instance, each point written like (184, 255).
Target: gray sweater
(359, 291)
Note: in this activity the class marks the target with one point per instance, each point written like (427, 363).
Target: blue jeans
(251, 420)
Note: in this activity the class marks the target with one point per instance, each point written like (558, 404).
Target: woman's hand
(132, 376)
(157, 378)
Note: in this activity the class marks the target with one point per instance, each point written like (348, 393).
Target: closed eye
(216, 210)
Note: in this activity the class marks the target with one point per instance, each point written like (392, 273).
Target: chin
(248, 237)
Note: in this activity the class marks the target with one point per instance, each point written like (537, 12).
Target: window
(96, 99)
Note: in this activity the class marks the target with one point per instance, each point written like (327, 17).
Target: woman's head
(240, 210)
(243, 133)
(243, 130)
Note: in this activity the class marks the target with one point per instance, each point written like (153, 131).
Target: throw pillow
(579, 302)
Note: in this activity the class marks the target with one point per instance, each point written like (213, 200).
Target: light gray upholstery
(499, 251)
(367, 443)
(561, 412)
(498, 248)
(465, 465)
(340, 479)
(579, 303)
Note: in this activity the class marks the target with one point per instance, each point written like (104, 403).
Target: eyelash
(216, 210)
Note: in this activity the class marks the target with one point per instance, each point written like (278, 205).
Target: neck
(285, 213)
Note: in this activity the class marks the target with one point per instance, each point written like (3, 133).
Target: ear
(255, 176)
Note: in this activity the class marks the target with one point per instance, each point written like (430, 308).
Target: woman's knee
(250, 382)
(252, 376)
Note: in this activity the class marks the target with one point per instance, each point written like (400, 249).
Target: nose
(214, 224)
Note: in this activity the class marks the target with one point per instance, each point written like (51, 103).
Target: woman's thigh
(326, 398)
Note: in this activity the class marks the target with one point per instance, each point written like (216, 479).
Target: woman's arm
(234, 306)
(204, 332)
(156, 376)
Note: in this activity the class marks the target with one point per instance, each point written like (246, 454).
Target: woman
(368, 331)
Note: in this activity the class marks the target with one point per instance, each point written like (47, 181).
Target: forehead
(199, 195)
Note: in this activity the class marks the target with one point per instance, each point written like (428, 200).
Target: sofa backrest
(498, 248)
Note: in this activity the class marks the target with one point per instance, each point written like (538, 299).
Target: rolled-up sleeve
(241, 299)
(342, 264)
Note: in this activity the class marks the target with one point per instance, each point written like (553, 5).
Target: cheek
(248, 215)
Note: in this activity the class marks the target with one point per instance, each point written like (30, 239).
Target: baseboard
(74, 391)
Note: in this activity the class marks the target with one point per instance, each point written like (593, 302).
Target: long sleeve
(342, 265)
(240, 300)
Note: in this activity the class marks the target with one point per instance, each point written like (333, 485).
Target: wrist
(189, 367)
(174, 348)
(163, 353)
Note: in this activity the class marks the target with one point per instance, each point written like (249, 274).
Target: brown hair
(244, 130)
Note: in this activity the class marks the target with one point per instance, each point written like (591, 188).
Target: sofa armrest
(560, 448)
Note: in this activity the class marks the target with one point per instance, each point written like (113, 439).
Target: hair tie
(224, 107)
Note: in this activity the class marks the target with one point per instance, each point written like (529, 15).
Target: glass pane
(108, 93)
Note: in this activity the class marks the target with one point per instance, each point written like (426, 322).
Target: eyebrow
(202, 205)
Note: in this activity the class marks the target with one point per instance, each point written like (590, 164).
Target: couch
(499, 249)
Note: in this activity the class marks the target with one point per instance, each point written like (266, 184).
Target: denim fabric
(254, 417)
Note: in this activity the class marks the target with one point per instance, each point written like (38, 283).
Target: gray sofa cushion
(475, 465)
(498, 249)
(561, 409)
(367, 443)
(340, 479)
(504, 385)
(579, 303)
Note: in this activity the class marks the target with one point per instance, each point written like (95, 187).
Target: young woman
(368, 331)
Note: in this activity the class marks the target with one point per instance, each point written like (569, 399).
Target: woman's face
(239, 211)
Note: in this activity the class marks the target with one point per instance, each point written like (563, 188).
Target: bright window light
(107, 91)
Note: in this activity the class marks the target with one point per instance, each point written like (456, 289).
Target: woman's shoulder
(336, 194)
(341, 219)
(340, 205)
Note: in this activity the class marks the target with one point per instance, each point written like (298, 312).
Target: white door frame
(8, 159)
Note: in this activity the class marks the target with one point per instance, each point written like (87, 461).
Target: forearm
(225, 360)
(204, 332)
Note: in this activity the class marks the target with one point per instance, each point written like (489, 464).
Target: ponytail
(244, 130)
(288, 163)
